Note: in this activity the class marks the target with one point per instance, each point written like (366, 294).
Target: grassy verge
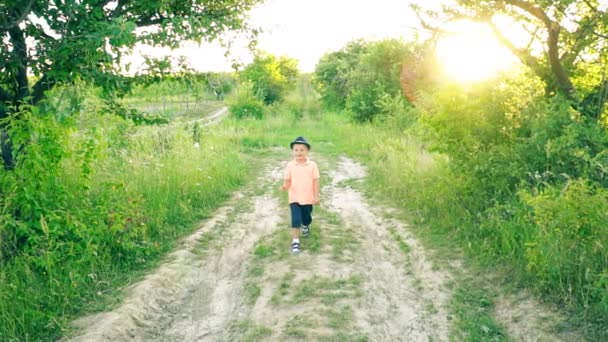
(115, 199)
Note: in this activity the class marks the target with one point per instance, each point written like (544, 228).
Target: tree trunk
(7, 150)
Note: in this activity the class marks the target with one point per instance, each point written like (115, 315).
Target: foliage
(270, 76)
(221, 84)
(199, 84)
(395, 113)
(376, 74)
(362, 77)
(243, 103)
(302, 101)
(514, 177)
(566, 251)
(525, 184)
(567, 40)
(60, 42)
(332, 73)
(93, 199)
(91, 43)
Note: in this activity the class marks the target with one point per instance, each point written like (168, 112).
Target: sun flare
(472, 53)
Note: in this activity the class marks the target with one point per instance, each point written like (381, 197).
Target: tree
(333, 71)
(219, 83)
(572, 34)
(45, 43)
(375, 77)
(271, 76)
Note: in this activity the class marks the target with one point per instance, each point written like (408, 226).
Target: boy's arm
(316, 184)
(286, 179)
(286, 184)
(317, 187)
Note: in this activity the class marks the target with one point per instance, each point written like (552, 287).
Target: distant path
(213, 118)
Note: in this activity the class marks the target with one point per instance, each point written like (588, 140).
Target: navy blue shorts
(300, 214)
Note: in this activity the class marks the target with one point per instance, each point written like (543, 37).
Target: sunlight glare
(472, 53)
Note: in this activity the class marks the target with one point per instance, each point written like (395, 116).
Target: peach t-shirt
(302, 175)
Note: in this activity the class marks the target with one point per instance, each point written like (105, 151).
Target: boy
(301, 180)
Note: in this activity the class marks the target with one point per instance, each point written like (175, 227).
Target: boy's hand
(317, 200)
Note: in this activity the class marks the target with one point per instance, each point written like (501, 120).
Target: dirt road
(362, 276)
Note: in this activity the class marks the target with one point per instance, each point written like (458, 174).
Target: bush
(243, 103)
(395, 112)
(567, 253)
(376, 74)
(271, 77)
(333, 72)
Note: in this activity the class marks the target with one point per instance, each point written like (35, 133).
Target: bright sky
(304, 30)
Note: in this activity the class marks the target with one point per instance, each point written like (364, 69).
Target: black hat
(299, 140)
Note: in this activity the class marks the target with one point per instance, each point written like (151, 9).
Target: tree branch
(533, 37)
(117, 12)
(7, 26)
(564, 83)
(43, 84)
(580, 37)
(150, 21)
(600, 35)
(593, 8)
(532, 9)
(20, 59)
(526, 58)
(428, 26)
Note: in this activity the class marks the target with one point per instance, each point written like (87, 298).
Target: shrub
(271, 77)
(567, 253)
(243, 103)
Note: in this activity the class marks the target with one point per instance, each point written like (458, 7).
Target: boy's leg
(306, 219)
(295, 233)
(296, 223)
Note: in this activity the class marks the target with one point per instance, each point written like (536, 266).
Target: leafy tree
(45, 43)
(271, 77)
(376, 75)
(219, 83)
(572, 34)
(333, 71)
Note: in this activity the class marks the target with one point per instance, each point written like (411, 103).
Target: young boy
(301, 180)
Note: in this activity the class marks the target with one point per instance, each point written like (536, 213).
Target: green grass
(118, 199)
(327, 291)
(252, 292)
(328, 231)
(299, 326)
(473, 310)
(248, 331)
(403, 246)
(340, 319)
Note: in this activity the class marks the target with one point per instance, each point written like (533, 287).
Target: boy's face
(300, 151)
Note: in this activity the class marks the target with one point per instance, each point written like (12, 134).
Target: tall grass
(87, 208)
(549, 235)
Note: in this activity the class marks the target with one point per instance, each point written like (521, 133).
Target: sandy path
(362, 276)
(399, 288)
(192, 296)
